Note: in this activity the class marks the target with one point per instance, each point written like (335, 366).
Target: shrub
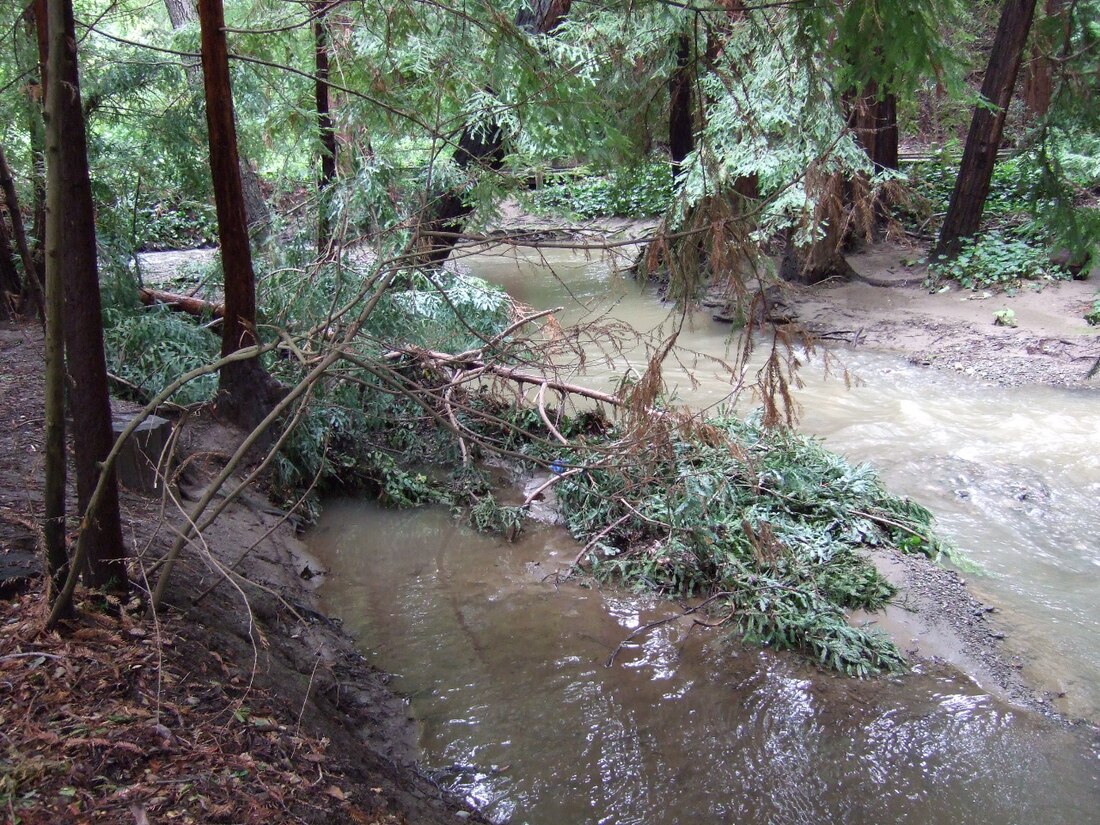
(632, 192)
(996, 259)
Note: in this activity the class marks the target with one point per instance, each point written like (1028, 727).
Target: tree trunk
(445, 217)
(681, 127)
(244, 386)
(324, 123)
(874, 120)
(35, 19)
(964, 214)
(180, 13)
(71, 259)
(1039, 74)
(182, 303)
(9, 275)
(33, 286)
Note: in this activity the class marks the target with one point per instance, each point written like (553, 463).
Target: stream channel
(505, 666)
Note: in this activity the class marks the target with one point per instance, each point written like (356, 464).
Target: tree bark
(1039, 75)
(874, 120)
(180, 13)
(9, 275)
(182, 303)
(324, 122)
(477, 147)
(244, 387)
(964, 214)
(35, 19)
(681, 127)
(71, 260)
(30, 268)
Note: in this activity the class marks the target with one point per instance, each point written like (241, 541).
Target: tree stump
(136, 464)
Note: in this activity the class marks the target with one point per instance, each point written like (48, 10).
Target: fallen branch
(464, 362)
(181, 303)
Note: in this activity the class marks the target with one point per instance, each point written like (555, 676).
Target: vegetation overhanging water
(505, 670)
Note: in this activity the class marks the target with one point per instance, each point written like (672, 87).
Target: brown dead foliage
(116, 720)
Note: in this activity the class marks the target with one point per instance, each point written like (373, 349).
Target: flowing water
(506, 671)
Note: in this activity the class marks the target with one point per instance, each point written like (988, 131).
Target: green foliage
(1065, 144)
(1092, 317)
(150, 347)
(770, 522)
(1008, 191)
(354, 425)
(490, 516)
(631, 192)
(774, 119)
(441, 311)
(996, 259)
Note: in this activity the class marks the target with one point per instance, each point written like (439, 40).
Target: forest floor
(242, 703)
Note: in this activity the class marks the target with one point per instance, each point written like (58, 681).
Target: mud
(887, 308)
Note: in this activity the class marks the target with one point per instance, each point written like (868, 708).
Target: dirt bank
(240, 704)
(953, 329)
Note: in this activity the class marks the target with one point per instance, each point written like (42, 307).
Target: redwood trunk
(681, 132)
(324, 123)
(964, 214)
(32, 285)
(874, 120)
(243, 385)
(180, 13)
(71, 252)
(36, 22)
(9, 275)
(1039, 76)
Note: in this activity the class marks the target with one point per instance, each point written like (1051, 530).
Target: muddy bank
(240, 605)
(936, 621)
(887, 308)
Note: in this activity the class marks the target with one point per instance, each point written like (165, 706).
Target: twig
(29, 655)
(305, 698)
(598, 536)
(470, 363)
(454, 423)
(687, 612)
(541, 403)
(550, 482)
(890, 523)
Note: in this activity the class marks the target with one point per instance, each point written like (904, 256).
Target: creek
(505, 665)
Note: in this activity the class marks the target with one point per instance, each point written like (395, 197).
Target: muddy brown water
(505, 666)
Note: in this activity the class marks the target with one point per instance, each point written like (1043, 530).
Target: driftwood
(182, 303)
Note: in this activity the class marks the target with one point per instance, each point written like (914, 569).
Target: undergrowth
(641, 191)
(1092, 317)
(998, 259)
